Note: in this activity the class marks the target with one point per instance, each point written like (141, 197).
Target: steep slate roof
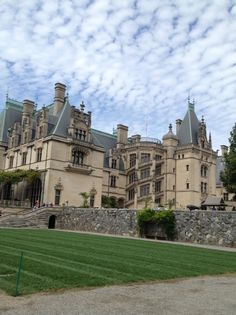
(8, 117)
(105, 140)
(63, 120)
(188, 131)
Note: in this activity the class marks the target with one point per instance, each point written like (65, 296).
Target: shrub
(163, 218)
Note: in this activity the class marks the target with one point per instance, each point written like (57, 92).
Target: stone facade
(72, 158)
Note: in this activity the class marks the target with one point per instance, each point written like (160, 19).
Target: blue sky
(132, 62)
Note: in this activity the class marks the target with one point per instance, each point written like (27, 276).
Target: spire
(210, 143)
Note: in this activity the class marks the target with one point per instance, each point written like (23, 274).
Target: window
(187, 167)
(132, 160)
(158, 170)
(144, 190)
(57, 197)
(25, 137)
(145, 173)
(187, 186)
(131, 194)
(173, 170)
(24, 158)
(226, 196)
(91, 201)
(11, 160)
(174, 187)
(203, 187)
(204, 171)
(182, 156)
(113, 163)
(158, 186)
(39, 154)
(158, 157)
(80, 134)
(158, 201)
(132, 177)
(113, 181)
(178, 156)
(40, 131)
(78, 157)
(145, 157)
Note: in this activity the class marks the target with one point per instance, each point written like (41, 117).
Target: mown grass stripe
(60, 259)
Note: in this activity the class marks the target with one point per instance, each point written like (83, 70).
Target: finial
(202, 119)
(67, 95)
(82, 106)
(170, 127)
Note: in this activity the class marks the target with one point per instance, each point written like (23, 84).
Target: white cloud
(125, 59)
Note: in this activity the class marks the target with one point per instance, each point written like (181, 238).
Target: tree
(85, 197)
(228, 175)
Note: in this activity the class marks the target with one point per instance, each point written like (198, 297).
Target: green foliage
(85, 197)
(163, 218)
(109, 202)
(14, 177)
(228, 176)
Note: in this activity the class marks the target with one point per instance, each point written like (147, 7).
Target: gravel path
(195, 296)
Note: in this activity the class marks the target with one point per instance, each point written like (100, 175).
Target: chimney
(178, 124)
(135, 138)
(59, 98)
(28, 107)
(224, 149)
(122, 135)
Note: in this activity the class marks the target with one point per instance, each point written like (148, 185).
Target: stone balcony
(78, 168)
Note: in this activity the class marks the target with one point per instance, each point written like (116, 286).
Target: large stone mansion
(58, 140)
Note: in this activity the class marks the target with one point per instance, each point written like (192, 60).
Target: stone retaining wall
(206, 227)
(110, 221)
(203, 227)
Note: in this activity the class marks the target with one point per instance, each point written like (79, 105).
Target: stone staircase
(30, 218)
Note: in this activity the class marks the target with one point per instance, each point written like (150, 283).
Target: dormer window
(80, 134)
(113, 163)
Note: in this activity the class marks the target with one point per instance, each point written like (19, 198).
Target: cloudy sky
(132, 62)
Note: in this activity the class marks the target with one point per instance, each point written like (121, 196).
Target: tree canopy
(17, 176)
(228, 175)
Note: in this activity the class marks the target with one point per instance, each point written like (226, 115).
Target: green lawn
(54, 260)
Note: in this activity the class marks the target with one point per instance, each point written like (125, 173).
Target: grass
(55, 260)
